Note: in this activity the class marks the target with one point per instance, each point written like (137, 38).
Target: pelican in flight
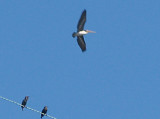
(81, 32)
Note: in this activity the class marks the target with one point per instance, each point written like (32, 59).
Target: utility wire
(26, 107)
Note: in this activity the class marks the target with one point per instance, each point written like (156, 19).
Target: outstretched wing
(81, 43)
(82, 21)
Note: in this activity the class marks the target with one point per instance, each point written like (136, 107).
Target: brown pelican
(81, 32)
(24, 102)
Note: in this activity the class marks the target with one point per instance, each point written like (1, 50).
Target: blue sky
(117, 77)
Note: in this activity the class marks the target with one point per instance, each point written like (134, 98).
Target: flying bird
(44, 111)
(24, 102)
(80, 32)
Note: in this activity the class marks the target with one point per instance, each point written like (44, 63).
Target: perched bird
(24, 102)
(44, 111)
(80, 32)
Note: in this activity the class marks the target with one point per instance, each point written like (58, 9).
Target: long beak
(89, 31)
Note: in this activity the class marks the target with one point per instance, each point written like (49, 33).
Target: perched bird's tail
(22, 107)
(74, 34)
(42, 116)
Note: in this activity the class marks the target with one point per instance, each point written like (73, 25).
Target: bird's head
(26, 97)
(45, 107)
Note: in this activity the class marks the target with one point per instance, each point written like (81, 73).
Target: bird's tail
(74, 34)
(22, 107)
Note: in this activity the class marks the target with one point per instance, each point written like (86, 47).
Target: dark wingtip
(84, 11)
(83, 50)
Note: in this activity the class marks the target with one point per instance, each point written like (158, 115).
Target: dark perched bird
(24, 102)
(44, 111)
(80, 32)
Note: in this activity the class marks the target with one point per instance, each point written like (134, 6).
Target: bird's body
(44, 111)
(80, 32)
(24, 102)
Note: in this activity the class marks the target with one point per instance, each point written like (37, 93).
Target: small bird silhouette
(44, 111)
(24, 102)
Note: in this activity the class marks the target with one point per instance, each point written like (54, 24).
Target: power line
(26, 107)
